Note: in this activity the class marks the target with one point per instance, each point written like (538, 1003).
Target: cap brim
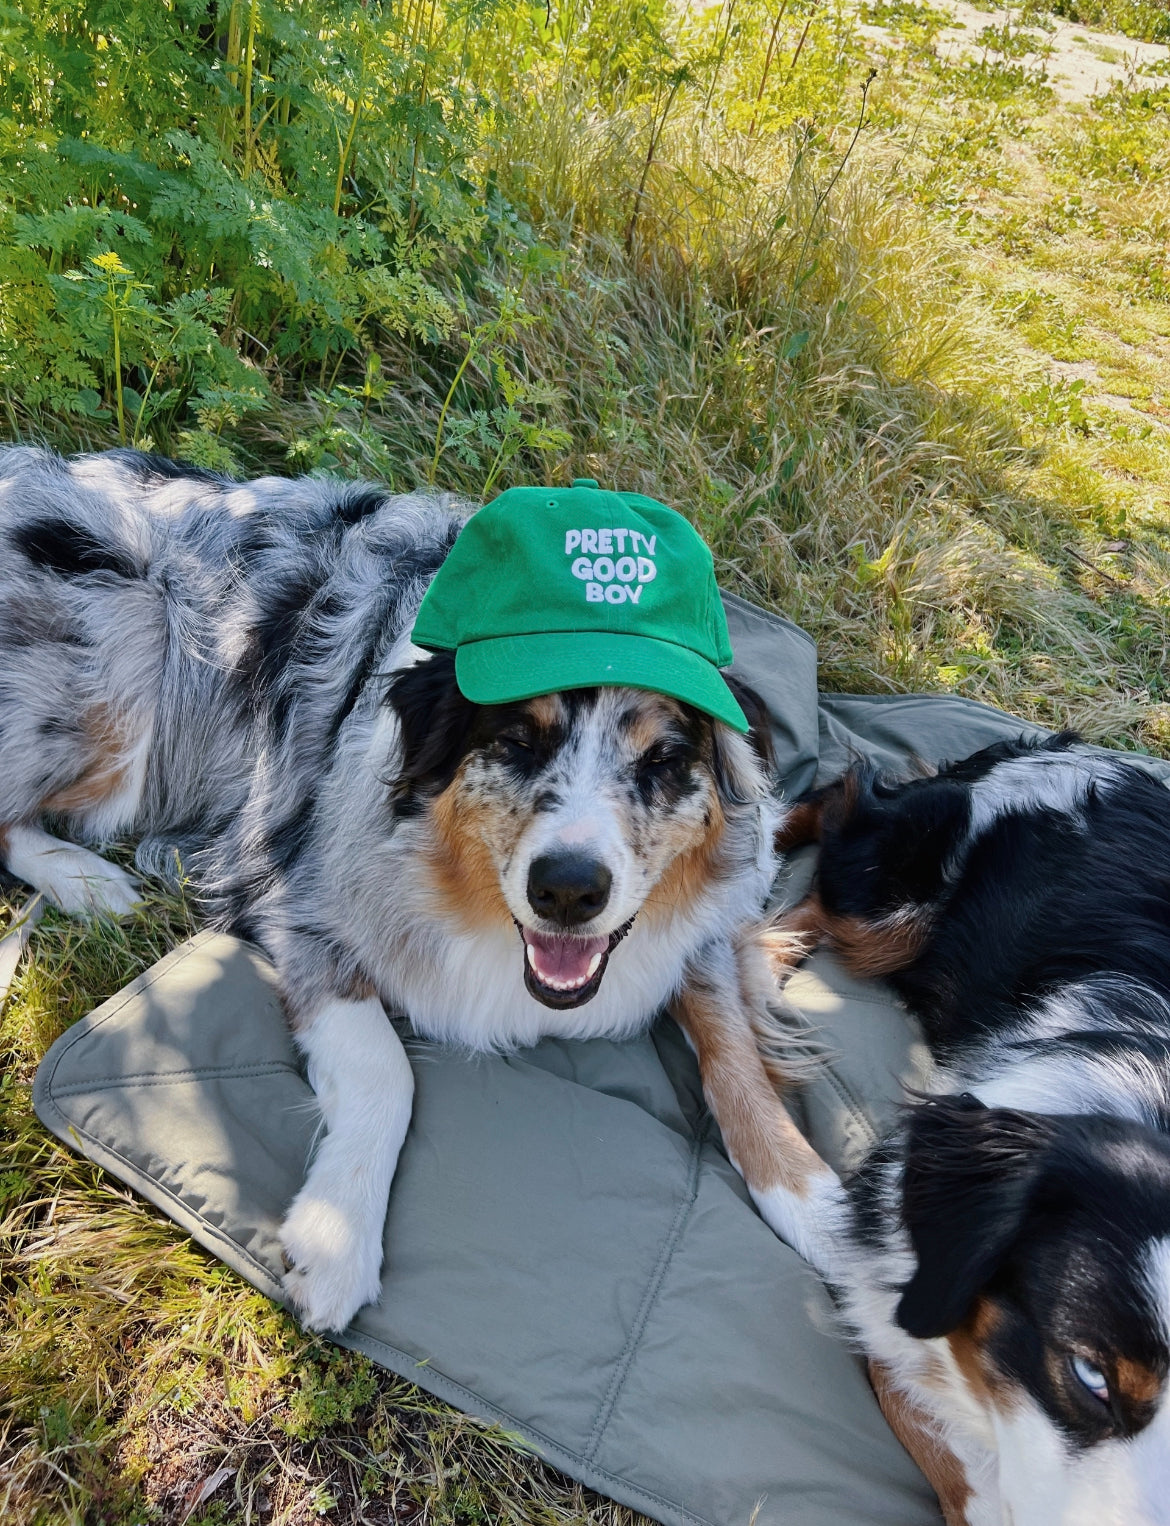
(503, 669)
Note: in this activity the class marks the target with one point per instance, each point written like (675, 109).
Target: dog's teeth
(550, 982)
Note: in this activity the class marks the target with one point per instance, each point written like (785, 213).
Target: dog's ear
(756, 712)
(435, 721)
(739, 759)
(970, 1174)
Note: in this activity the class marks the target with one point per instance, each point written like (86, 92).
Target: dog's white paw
(91, 887)
(85, 885)
(334, 1260)
(73, 878)
(333, 1234)
(811, 1222)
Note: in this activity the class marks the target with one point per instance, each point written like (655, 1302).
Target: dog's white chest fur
(476, 995)
(223, 671)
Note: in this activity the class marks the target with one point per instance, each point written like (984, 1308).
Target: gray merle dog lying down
(1003, 1258)
(224, 672)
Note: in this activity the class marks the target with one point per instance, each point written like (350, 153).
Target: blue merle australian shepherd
(223, 672)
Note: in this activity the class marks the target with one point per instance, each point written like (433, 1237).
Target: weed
(1012, 42)
(1147, 20)
(1057, 404)
(655, 245)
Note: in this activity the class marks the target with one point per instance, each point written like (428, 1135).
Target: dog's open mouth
(563, 971)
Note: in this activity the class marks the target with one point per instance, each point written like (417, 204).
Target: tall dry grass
(791, 353)
(744, 313)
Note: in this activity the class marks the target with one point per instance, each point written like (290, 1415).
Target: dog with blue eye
(484, 770)
(1003, 1257)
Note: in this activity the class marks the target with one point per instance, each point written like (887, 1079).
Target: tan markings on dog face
(677, 844)
(546, 710)
(466, 880)
(649, 718)
(942, 1469)
(693, 866)
(801, 826)
(4, 841)
(587, 778)
(761, 1138)
(867, 948)
(108, 741)
(1139, 1383)
(969, 1348)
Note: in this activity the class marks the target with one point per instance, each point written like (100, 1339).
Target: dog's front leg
(73, 878)
(332, 1235)
(797, 1194)
(923, 1437)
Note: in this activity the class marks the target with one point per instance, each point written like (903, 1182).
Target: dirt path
(1081, 62)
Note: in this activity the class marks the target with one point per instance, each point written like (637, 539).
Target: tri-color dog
(1003, 1258)
(530, 804)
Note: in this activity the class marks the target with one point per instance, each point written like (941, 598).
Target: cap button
(586, 482)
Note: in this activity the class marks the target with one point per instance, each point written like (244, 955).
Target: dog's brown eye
(517, 749)
(662, 760)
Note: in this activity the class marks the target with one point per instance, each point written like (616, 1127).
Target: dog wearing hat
(484, 772)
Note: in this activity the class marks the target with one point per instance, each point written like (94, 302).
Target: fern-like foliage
(279, 180)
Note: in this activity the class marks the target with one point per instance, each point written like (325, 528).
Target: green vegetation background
(898, 342)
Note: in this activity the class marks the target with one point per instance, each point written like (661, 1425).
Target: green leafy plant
(1057, 404)
(392, 241)
(323, 189)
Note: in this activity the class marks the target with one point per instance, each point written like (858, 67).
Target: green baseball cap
(567, 588)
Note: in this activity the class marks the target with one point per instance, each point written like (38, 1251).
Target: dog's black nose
(568, 887)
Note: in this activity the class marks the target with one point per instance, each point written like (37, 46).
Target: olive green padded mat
(568, 1252)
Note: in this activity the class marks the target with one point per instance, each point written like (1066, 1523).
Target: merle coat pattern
(222, 671)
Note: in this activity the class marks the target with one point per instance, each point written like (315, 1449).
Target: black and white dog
(224, 672)
(1003, 1258)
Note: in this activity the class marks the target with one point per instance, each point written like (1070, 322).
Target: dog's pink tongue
(563, 961)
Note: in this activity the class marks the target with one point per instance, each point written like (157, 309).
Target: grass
(136, 1371)
(917, 395)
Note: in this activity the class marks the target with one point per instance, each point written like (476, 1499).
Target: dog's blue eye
(1091, 1377)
